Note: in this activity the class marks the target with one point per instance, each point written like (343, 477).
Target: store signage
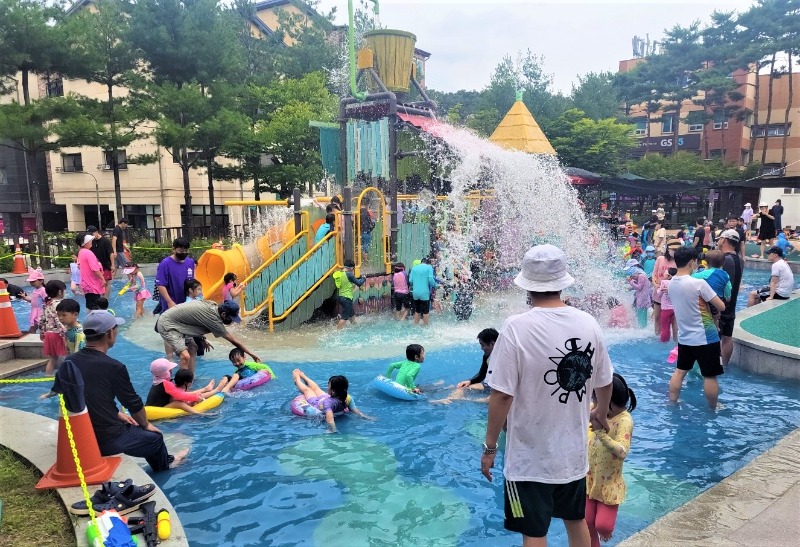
(658, 144)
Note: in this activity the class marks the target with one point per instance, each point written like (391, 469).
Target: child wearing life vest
(345, 280)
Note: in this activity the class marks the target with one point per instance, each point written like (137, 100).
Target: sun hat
(88, 238)
(777, 250)
(160, 369)
(747, 204)
(544, 269)
(631, 263)
(231, 308)
(733, 235)
(763, 204)
(650, 249)
(34, 275)
(100, 322)
(675, 244)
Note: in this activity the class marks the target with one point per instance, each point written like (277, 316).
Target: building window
(143, 217)
(122, 160)
(55, 87)
(771, 130)
(696, 121)
(192, 155)
(3, 176)
(720, 120)
(773, 169)
(747, 120)
(745, 157)
(667, 124)
(641, 126)
(201, 215)
(716, 154)
(71, 163)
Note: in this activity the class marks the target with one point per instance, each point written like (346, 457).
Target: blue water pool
(257, 475)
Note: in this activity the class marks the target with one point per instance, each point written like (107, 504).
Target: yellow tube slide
(240, 259)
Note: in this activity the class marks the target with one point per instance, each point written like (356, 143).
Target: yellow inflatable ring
(164, 413)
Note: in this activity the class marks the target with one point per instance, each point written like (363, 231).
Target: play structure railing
(301, 279)
(257, 285)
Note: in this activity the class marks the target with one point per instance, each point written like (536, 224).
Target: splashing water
(533, 203)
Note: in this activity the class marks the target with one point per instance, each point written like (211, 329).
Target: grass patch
(31, 518)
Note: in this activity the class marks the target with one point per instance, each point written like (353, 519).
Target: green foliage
(146, 251)
(596, 95)
(6, 263)
(595, 145)
(685, 166)
(310, 50)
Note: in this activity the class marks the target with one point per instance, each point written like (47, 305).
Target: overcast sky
(468, 38)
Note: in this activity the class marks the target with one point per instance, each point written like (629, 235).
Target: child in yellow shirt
(605, 487)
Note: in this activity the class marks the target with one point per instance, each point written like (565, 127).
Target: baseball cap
(231, 309)
(544, 269)
(100, 322)
(650, 249)
(349, 264)
(733, 235)
(88, 238)
(91, 229)
(747, 204)
(777, 250)
(631, 263)
(763, 204)
(160, 369)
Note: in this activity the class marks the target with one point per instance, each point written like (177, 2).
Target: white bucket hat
(544, 269)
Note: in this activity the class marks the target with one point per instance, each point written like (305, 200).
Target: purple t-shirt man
(172, 275)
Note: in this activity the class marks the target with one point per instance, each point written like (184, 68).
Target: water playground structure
(395, 161)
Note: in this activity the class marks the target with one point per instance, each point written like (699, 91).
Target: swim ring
(300, 407)
(165, 413)
(393, 389)
(260, 377)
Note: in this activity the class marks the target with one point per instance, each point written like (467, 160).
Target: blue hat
(650, 249)
(100, 322)
(231, 309)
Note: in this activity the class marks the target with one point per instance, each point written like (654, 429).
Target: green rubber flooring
(777, 325)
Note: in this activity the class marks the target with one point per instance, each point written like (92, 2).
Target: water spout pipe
(351, 46)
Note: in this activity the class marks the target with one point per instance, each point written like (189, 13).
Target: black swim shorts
(707, 356)
(422, 307)
(346, 308)
(529, 506)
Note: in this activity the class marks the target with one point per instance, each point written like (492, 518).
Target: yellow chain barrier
(75, 457)
(26, 380)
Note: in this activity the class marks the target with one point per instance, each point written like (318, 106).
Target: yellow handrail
(304, 232)
(305, 257)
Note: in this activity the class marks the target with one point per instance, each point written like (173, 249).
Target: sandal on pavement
(122, 503)
(107, 493)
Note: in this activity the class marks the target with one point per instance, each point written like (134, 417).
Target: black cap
(91, 229)
(349, 264)
(777, 250)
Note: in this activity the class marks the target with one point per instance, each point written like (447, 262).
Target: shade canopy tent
(632, 184)
(582, 177)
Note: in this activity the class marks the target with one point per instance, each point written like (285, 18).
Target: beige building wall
(155, 184)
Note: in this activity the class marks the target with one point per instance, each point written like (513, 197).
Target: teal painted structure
(255, 292)
(302, 275)
(413, 242)
(368, 148)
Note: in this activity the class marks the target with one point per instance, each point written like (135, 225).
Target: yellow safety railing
(304, 258)
(305, 224)
(387, 263)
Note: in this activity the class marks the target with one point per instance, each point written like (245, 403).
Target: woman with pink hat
(36, 279)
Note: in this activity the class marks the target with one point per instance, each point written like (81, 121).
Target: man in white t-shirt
(781, 281)
(544, 367)
(660, 239)
(698, 337)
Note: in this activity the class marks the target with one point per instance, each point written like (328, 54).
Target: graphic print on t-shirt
(572, 370)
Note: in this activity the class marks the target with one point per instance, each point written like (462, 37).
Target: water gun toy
(110, 531)
(145, 525)
(124, 289)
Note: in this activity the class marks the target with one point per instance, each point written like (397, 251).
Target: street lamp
(96, 193)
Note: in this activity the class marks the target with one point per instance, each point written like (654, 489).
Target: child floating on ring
(408, 369)
(332, 401)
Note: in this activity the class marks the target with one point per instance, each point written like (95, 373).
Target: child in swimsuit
(332, 401)
(245, 369)
(408, 369)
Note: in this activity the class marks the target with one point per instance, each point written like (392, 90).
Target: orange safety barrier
(19, 262)
(96, 468)
(8, 322)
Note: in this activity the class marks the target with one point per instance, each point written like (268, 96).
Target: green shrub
(7, 263)
(147, 251)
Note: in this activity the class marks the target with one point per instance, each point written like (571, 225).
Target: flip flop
(108, 492)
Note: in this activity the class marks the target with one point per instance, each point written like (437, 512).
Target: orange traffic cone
(8, 322)
(96, 468)
(19, 262)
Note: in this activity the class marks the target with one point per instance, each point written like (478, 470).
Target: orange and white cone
(96, 468)
(19, 262)
(8, 322)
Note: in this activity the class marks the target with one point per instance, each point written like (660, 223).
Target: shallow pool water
(257, 475)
